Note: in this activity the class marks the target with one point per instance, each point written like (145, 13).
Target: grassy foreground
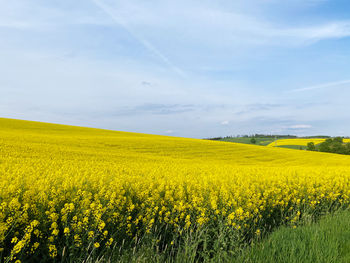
(325, 241)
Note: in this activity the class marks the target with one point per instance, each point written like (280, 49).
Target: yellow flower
(101, 226)
(52, 251)
(109, 242)
(66, 231)
(37, 232)
(91, 234)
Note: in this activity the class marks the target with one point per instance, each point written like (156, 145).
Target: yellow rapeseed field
(301, 142)
(67, 188)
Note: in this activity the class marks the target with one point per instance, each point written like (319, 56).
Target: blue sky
(180, 68)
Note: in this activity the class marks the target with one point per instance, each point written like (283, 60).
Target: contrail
(143, 41)
(322, 86)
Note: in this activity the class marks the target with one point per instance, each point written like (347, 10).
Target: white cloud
(225, 123)
(300, 126)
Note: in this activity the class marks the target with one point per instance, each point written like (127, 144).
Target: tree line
(331, 145)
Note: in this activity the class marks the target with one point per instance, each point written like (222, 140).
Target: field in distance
(247, 140)
(257, 139)
(278, 141)
(73, 194)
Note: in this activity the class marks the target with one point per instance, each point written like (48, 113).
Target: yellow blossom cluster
(64, 188)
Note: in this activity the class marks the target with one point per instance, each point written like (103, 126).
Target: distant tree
(311, 146)
(215, 138)
(328, 141)
(338, 139)
(335, 145)
(325, 146)
(253, 141)
(347, 148)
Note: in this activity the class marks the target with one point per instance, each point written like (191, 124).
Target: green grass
(325, 241)
(296, 147)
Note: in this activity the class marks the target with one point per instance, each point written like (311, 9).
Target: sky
(185, 68)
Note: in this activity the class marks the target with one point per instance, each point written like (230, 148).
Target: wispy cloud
(152, 109)
(120, 21)
(300, 126)
(116, 64)
(323, 86)
(14, 25)
(258, 107)
(194, 22)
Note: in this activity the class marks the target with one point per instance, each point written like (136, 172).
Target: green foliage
(311, 146)
(335, 145)
(338, 139)
(253, 140)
